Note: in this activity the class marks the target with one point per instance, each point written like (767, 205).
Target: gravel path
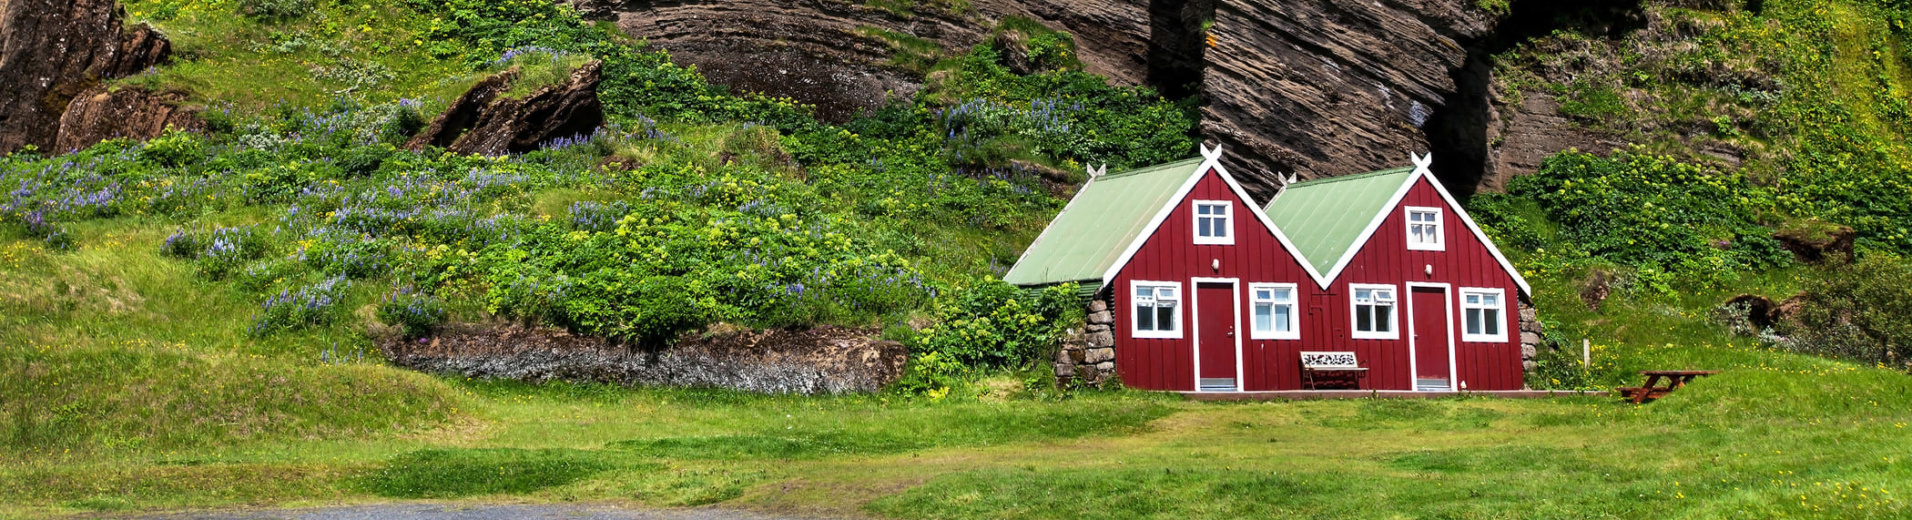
(472, 512)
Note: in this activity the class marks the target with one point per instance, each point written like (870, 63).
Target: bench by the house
(1340, 369)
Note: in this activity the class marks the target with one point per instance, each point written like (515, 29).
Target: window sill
(1155, 335)
(1274, 336)
(1373, 335)
(1214, 241)
(1466, 338)
(1426, 247)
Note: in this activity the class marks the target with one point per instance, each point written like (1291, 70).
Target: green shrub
(994, 325)
(277, 9)
(414, 313)
(1861, 311)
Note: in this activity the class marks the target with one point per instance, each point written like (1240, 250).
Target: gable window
(1483, 315)
(1212, 222)
(1373, 311)
(1273, 311)
(1424, 229)
(1157, 310)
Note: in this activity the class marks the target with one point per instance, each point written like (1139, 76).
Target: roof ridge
(1363, 175)
(1152, 167)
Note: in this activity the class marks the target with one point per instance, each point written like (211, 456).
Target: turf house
(1374, 281)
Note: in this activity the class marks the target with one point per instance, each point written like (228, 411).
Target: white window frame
(1500, 295)
(1227, 217)
(1394, 312)
(1440, 229)
(1135, 318)
(1294, 308)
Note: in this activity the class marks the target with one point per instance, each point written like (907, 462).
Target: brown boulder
(485, 121)
(53, 50)
(104, 113)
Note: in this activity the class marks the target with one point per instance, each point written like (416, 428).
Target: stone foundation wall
(1531, 334)
(1088, 355)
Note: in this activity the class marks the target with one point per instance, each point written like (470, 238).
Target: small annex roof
(1094, 231)
(1327, 217)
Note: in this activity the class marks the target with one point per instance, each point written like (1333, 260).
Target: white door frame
(1195, 327)
(1413, 369)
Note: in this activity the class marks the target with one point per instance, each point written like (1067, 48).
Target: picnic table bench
(1674, 380)
(1338, 368)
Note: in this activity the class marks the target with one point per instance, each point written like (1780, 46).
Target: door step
(1218, 384)
(1431, 385)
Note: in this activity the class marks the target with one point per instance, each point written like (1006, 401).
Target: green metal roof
(1091, 234)
(1324, 217)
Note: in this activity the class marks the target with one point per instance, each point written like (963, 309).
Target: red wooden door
(1215, 335)
(1430, 338)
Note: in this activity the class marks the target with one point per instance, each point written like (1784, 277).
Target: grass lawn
(131, 386)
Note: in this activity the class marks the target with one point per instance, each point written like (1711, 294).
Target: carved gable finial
(1211, 153)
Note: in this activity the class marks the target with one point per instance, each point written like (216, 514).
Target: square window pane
(1493, 322)
(1383, 318)
(1264, 316)
(1362, 318)
(1473, 298)
(1490, 300)
(1165, 317)
(1144, 317)
(1473, 321)
(1281, 319)
(1264, 294)
(1361, 295)
(1284, 295)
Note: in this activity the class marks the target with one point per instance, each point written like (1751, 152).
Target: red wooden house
(1209, 291)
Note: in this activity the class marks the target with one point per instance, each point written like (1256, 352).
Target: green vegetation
(189, 322)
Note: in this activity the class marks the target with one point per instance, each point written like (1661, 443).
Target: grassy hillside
(188, 322)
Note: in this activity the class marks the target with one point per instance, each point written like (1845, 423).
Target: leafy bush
(416, 314)
(312, 305)
(1642, 210)
(993, 324)
(277, 9)
(1862, 311)
(218, 252)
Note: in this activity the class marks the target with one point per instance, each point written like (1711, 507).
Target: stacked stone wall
(1088, 354)
(1532, 334)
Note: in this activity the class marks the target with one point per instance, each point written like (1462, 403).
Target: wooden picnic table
(1675, 379)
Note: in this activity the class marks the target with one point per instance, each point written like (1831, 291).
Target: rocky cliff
(52, 50)
(1315, 87)
(829, 53)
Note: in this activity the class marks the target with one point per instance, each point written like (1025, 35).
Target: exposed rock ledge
(52, 50)
(484, 121)
(129, 112)
(824, 360)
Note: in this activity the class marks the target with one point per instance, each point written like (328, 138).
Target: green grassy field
(148, 396)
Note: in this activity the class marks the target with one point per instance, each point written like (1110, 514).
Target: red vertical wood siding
(1171, 255)
(1465, 262)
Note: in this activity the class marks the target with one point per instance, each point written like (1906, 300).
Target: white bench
(1318, 367)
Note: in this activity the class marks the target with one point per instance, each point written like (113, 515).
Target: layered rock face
(824, 53)
(53, 50)
(825, 360)
(104, 113)
(485, 121)
(1332, 87)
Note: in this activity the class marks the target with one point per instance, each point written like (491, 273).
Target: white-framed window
(1213, 222)
(1424, 231)
(1158, 309)
(1374, 311)
(1483, 314)
(1272, 311)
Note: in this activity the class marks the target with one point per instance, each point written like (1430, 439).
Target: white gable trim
(1212, 162)
(1421, 172)
(1161, 216)
(1465, 219)
(1268, 223)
